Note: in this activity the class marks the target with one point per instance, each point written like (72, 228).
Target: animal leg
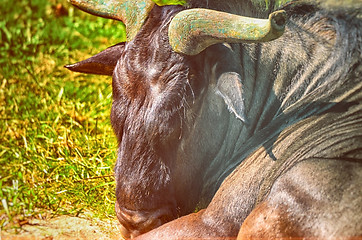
(191, 226)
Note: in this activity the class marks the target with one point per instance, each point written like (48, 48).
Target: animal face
(153, 89)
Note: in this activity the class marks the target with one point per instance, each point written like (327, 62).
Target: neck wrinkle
(306, 81)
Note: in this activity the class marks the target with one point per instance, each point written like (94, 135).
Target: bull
(257, 122)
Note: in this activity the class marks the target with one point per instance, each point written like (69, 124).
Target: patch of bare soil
(65, 227)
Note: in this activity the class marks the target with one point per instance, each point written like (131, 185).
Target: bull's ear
(230, 88)
(102, 63)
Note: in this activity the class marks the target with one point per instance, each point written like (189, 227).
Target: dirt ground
(65, 227)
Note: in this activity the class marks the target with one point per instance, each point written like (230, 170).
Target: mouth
(134, 223)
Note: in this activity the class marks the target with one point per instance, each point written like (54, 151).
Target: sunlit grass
(57, 148)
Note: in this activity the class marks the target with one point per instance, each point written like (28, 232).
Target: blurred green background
(57, 148)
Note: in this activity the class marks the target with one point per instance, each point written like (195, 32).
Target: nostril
(135, 223)
(131, 217)
(132, 229)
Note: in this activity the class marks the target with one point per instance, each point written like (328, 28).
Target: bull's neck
(305, 72)
(311, 62)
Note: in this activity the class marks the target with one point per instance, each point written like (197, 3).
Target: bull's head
(159, 94)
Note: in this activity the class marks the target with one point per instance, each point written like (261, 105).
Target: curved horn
(169, 2)
(191, 31)
(132, 13)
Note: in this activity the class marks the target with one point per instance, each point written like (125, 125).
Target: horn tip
(278, 19)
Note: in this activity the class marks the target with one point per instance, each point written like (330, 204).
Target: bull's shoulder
(315, 198)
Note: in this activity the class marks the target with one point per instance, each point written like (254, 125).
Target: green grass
(57, 148)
